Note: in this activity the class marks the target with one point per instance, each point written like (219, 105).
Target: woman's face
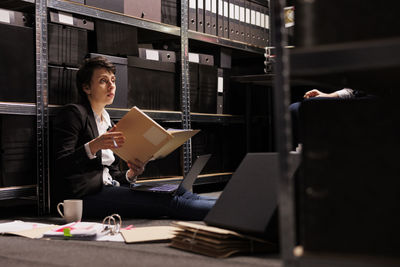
(101, 90)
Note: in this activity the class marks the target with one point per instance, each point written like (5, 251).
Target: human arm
(108, 140)
(343, 93)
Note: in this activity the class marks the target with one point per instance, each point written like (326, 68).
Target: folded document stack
(217, 242)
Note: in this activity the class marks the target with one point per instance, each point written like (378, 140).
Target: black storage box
(222, 143)
(115, 39)
(203, 95)
(18, 150)
(160, 55)
(328, 22)
(146, 9)
(62, 85)
(152, 84)
(68, 38)
(17, 64)
(170, 12)
(121, 65)
(349, 184)
(113, 5)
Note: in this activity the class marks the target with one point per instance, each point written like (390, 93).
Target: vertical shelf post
(42, 142)
(185, 90)
(281, 97)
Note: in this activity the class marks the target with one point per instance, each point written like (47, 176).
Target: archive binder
(146, 139)
(232, 24)
(200, 16)
(241, 4)
(225, 19)
(259, 31)
(237, 20)
(213, 17)
(247, 30)
(209, 18)
(220, 18)
(192, 21)
(266, 26)
(253, 24)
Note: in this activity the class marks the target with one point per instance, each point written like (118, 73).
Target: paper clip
(111, 225)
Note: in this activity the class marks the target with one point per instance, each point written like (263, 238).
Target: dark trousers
(135, 204)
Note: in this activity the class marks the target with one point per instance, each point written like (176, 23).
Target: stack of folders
(217, 242)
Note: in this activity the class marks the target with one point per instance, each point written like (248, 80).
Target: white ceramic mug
(72, 210)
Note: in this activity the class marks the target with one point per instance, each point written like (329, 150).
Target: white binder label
(220, 7)
(258, 18)
(4, 16)
(262, 20)
(266, 21)
(241, 14)
(253, 17)
(192, 4)
(200, 4)
(226, 9)
(65, 18)
(231, 11)
(193, 57)
(152, 54)
(214, 6)
(220, 85)
(237, 14)
(154, 135)
(247, 16)
(208, 5)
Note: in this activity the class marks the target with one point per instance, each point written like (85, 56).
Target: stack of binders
(68, 45)
(17, 75)
(17, 150)
(238, 20)
(152, 80)
(217, 242)
(203, 84)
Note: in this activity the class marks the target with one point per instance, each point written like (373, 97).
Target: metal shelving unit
(42, 110)
(368, 64)
(224, 42)
(17, 108)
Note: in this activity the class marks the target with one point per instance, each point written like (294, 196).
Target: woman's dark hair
(85, 72)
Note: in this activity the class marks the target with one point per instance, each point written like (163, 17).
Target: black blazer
(75, 174)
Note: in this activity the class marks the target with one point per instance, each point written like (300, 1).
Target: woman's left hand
(135, 168)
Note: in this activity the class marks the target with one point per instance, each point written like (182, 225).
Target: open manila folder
(146, 139)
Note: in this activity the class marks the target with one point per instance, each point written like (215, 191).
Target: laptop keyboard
(165, 187)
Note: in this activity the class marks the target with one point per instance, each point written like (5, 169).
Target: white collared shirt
(345, 93)
(107, 157)
(107, 154)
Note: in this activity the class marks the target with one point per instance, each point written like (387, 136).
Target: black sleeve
(70, 135)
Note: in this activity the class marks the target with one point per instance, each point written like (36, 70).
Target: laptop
(248, 203)
(170, 188)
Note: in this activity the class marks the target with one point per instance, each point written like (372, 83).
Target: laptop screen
(249, 200)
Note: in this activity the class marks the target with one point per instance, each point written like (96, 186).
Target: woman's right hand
(110, 139)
